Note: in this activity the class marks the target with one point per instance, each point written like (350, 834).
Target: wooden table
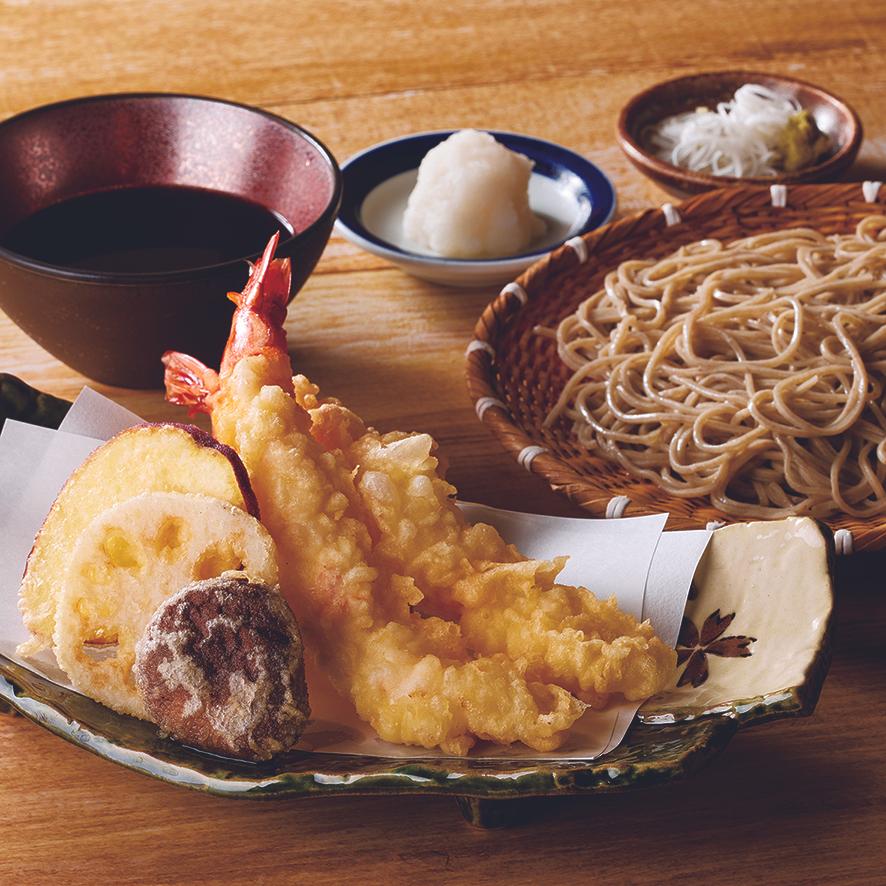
(793, 802)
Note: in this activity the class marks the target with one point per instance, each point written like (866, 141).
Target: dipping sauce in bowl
(145, 230)
(125, 219)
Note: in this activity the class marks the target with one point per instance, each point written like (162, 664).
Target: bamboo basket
(514, 376)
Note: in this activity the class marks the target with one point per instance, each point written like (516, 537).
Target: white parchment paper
(648, 570)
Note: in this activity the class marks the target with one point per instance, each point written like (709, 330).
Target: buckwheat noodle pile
(749, 372)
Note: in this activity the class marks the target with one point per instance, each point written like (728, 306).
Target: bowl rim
(358, 234)
(182, 274)
(648, 162)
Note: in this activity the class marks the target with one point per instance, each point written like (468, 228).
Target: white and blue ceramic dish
(572, 194)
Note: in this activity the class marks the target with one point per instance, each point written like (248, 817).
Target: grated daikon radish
(471, 200)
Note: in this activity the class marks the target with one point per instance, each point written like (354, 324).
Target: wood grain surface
(792, 802)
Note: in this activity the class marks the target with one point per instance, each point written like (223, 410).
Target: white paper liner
(649, 572)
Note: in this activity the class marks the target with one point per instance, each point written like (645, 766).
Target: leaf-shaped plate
(675, 734)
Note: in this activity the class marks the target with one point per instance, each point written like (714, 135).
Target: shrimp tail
(189, 382)
(267, 288)
(256, 331)
(257, 328)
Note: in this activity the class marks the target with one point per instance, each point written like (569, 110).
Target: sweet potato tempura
(439, 632)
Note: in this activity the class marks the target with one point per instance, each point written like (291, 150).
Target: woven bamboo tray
(515, 376)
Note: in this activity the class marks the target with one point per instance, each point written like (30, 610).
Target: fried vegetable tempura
(503, 602)
(439, 632)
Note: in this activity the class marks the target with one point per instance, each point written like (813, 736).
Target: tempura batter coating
(564, 634)
(414, 679)
(503, 602)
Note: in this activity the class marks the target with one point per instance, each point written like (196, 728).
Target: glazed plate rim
(503, 778)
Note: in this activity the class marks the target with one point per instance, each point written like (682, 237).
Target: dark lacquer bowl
(113, 326)
(833, 116)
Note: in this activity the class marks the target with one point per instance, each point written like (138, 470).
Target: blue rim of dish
(367, 169)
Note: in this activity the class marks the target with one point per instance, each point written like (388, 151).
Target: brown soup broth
(145, 230)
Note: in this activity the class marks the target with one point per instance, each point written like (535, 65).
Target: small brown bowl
(833, 116)
(114, 326)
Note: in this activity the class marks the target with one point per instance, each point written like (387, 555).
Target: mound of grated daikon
(471, 199)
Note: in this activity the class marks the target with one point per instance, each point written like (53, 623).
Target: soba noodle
(750, 372)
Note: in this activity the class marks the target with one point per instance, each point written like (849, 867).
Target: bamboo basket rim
(809, 205)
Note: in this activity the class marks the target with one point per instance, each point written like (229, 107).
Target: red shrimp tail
(188, 382)
(257, 327)
(267, 289)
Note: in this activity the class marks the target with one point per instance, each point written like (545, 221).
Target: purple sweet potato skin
(206, 439)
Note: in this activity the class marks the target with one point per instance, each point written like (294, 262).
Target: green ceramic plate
(746, 656)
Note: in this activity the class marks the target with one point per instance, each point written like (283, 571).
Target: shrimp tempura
(415, 679)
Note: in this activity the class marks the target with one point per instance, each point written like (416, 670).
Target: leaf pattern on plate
(694, 646)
